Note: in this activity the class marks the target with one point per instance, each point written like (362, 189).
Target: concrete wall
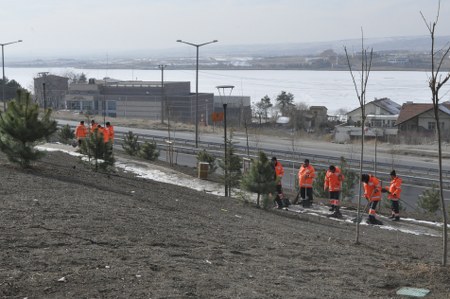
(56, 88)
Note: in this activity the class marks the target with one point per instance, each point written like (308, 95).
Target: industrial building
(49, 90)
(139, 99)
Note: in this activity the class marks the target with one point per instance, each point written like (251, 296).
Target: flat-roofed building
(49, 90)
(238, 109)
(138, 99)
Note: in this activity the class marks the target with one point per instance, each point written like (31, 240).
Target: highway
(297, 150)
(418, 172)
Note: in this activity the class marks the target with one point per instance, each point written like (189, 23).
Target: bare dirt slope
(69, 232)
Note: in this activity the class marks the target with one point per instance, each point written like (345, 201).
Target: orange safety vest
(93, 127)
(111, 132)
(279, 172)
(333, 181)
(306, 176)
(106, 135)
(372, 190)
(80, 131)
(100, 131)
(395, 188)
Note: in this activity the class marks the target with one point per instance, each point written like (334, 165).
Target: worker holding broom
(372, 192)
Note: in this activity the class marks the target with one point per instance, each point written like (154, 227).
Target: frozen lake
(333, 89)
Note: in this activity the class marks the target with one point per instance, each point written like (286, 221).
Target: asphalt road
(305, 147)
(311, 149)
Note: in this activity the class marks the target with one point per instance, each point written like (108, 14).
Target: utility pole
(163, 93)
(222, 89)
(3, 70)
(225, 146)
(45, 97)
(197, 46)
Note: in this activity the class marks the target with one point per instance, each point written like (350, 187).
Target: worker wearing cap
(306, 175)
(333, 183)
(394, 190)
(80, 132)
(372, 192)
(279, 173)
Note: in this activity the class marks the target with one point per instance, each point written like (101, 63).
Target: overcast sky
(108, 26)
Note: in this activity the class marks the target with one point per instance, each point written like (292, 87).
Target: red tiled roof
(411, 110)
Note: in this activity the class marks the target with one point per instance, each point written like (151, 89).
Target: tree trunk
(361, 159)
(441, 189)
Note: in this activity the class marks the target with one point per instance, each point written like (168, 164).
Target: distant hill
(406, 43)
(227, 55)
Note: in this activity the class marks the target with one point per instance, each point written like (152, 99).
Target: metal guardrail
(422, 176)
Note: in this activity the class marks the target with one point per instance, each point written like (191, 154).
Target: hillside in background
(393, 53)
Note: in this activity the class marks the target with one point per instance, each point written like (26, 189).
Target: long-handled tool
(359, 219)
(296, 198)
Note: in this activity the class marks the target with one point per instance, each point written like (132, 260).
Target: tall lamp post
(196, 83)
(163, 98)
(3, 68)
(222, 93)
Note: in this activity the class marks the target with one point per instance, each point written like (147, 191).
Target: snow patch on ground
(169, 176)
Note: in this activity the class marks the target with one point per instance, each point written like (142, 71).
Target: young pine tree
(21, 129)
(130, 144)
(430, 200)
(149, 151)
(349, 182)
(233, 167)
(318, 184)
(260, 178)
(66, 135)
(96, 148)
(204, 156)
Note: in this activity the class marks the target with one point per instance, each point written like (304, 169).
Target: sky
(55, 27)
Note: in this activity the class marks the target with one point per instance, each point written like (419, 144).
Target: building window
(431, 125)
(111, 105)
(87, 106)
(73, 105)
(376, 123)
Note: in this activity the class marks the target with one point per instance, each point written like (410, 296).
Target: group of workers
(333, 184)
(82, 132)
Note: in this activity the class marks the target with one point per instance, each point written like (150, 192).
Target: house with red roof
(419, 118)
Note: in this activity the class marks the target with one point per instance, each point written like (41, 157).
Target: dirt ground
(69, 232)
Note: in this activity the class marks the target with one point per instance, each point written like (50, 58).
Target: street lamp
(163, 98)
(196, 83)
(222, 93)
(3, 68)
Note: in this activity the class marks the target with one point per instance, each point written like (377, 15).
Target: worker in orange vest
(99, 131)
(333, 183)
(372, 192)
(394, 190)
(94, 125)
(105, 133)
(306, 175)
(80, 132)
(279, 173)
(110, 130)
